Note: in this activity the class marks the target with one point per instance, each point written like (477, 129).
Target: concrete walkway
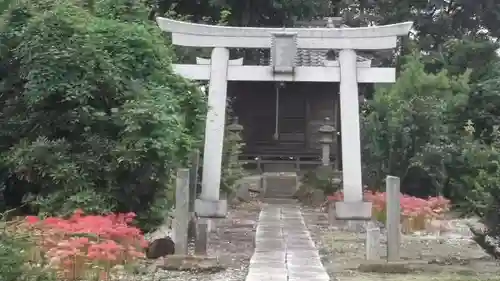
(284, 250)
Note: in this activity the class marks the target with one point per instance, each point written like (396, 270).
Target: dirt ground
(441, 258)
(232, 241)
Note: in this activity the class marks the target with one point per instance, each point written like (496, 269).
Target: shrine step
(280, 201)
(279, 185)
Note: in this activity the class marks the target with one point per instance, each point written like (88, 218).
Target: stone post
(326, 131)
(353, 207)
(193, 178)
(393, 218)
(193, 188)
(372, 242)
(209, 205)
(181, 212)
(201, 243)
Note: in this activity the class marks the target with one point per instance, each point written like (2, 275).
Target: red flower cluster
(412, 208)
(82, 243)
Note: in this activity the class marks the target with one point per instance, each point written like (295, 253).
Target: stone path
(284, 250)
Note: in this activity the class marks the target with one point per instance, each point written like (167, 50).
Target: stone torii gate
(284, 44)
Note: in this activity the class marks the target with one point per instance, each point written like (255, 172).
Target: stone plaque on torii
(284, 44)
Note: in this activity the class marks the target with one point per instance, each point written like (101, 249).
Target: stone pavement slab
(284, 250)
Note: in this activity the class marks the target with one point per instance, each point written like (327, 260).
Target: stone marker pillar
(209, 205)
(193, 178)
(353, 207)
(181, 212)
(372, 243)
(201, 243)
(193, 187)
(326, 139)
(393, 222)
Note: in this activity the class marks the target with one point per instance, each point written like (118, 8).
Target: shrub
(11, 257)
(482, 192)
(478, 186)
(488, 238)
(92, 114)
(407, 124)
(323, 178)
(83, 246)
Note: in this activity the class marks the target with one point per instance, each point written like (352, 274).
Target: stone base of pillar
(332, 217)
(210, 209)
(357, 226)
(353, 210)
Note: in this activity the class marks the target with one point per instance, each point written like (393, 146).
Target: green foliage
(11, 261)
(244, 13)
(482, 192)
(14, 256)
(405, 124)
(484, 103)
(482, 178)
(93, 115)
(130, 11)
(323, 178)
(457, 56)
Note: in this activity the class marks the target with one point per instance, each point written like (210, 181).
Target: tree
(405, 126)
(92, 115)
(482, 197)
(245, 13)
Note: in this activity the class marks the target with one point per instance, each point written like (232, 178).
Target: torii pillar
(208, 204)
(353, 207)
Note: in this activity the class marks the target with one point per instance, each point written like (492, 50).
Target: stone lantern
(326, 139)
(235, 130)
(234, 137)
(230, 155)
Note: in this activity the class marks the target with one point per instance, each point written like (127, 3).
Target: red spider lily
(418, 211)
(84, 243)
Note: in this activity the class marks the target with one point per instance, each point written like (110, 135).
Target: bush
(480, 186)
(407, 125)
(92, 114)
(11, 259)
(488, 238)
(323, 178)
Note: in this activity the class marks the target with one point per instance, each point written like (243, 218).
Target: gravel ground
(449, 257)
(232, 241)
